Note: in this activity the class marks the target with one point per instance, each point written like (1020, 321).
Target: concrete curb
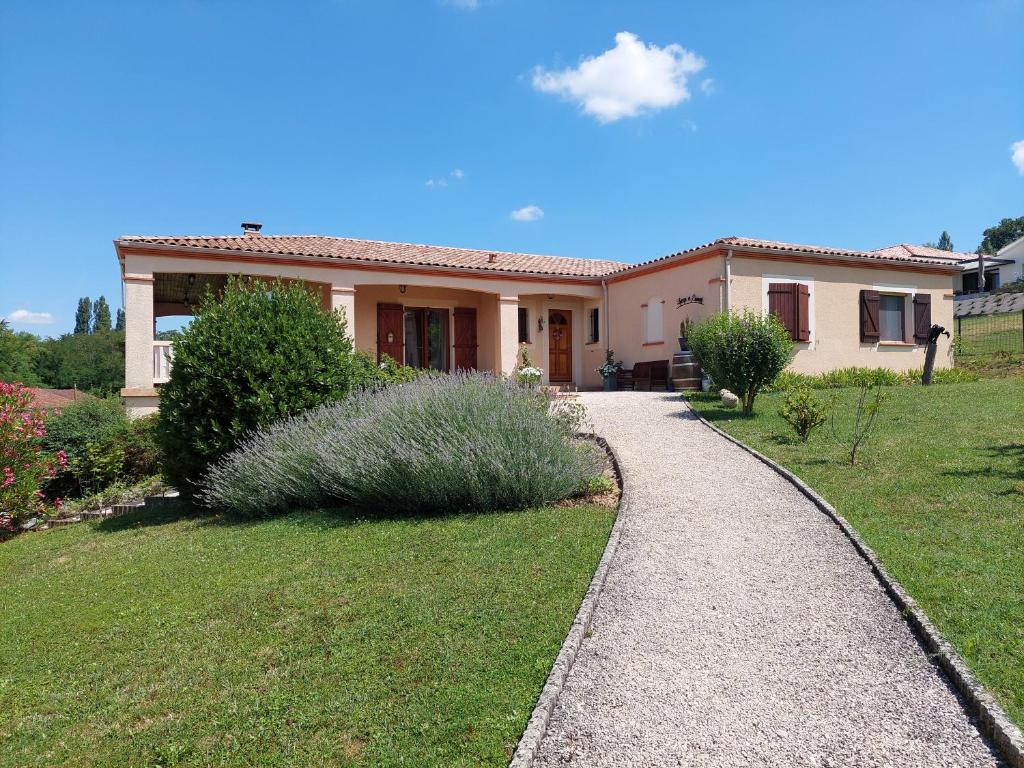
(537, 726)
(990, 718)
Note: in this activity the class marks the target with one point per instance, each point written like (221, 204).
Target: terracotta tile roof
(917, 252)
(347, 248)
(48, 399)
(887, 254)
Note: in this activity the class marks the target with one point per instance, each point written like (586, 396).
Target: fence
(987, 334)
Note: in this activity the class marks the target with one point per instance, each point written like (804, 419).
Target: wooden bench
(644, 375)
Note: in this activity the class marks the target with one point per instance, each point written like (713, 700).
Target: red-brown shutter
(783, 304)
(922, 317)
(803, 315)
(869, 301)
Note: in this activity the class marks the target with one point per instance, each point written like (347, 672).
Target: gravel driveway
(738, 626)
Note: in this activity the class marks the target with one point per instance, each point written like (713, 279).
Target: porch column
(343, 297)
(508, 333)
(138, 332)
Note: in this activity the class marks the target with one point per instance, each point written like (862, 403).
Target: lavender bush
(468, 442)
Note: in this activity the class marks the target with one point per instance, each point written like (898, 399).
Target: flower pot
(684, 345)
(609, 383)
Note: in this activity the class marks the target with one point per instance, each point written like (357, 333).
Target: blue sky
(856, 125)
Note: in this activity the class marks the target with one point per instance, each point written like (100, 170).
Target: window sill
(896, 344)
(653, 343)
(592, 343)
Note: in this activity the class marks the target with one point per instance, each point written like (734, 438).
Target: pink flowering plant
(23, 464)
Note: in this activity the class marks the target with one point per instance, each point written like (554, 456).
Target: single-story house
(1006, 266)
(458, 308)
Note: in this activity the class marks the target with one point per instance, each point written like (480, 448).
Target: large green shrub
(258, 354)
(439, 444)
(742, 353)
(89, 432)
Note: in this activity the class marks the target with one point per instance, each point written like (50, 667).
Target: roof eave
(122, 246)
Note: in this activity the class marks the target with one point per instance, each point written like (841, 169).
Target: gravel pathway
(739, 627)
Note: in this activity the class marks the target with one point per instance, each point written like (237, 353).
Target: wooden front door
(390, 328)
(559, 345)
(465, 338)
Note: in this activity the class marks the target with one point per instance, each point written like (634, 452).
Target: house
(1006, 266)
(457, 308)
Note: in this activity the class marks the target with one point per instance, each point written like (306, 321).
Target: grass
(988, 334)
(309, 639)
(938, 493)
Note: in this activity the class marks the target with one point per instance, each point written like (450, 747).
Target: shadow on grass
(1011, 452)
(325, 517)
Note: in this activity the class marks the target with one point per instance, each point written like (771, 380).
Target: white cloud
(528, 213)
(625, 81)
(442, 181)
(707, 85)
(26, 317)
(1017, 155)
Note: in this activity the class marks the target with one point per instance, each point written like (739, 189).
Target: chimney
(491, 258)
(251, 228)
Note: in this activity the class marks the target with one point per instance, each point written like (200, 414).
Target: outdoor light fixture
(540, 323)
(401, 288)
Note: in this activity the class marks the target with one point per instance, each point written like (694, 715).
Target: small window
(524, 325)
(890, 317)
(593, 326)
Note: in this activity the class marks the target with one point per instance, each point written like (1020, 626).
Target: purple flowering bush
(469, 442)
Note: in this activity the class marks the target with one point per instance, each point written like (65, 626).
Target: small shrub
(598, 485)
(24, 465)
(440, 444)
(140, 450)
(803, 411)
(869, 403)
(259, 354)
(742, 353)
(527, 373)
(90, 432)
(870, 377)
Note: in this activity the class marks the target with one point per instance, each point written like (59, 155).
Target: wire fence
(988, 334)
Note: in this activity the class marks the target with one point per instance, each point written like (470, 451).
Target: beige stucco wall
(627, 298)
(835, 311)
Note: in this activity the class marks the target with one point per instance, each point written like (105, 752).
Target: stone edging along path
(537, 726)
(993, 721)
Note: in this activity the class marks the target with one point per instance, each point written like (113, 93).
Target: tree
(1002, 234)
(101, 316)
(17, 356)
(119, 326)
(83, 316)
(93, 362)
(945, 242)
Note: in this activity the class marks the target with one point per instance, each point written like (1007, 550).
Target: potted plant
(609, 370)
(527, 373)
(684, 332)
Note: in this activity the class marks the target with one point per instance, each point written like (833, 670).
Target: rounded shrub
(742, 352)
(89, 431)
(259, 353)
(468, 442)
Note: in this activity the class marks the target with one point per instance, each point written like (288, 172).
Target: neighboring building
(456, 308)
(1004, 267)
(55, 399)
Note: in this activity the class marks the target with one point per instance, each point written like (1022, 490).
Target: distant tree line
(91, 358)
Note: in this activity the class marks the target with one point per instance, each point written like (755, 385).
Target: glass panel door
(413, 339)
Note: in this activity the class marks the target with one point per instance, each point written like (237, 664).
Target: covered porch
(446, 322)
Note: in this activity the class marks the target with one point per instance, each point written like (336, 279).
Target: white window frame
(767, 280)
(907, 292)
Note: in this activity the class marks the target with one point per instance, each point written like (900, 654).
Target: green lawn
(939, 496)
(311, 639)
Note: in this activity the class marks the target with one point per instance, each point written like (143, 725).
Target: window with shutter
(869, 316)
(790, 303)
(593, 326)
(922, 317)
